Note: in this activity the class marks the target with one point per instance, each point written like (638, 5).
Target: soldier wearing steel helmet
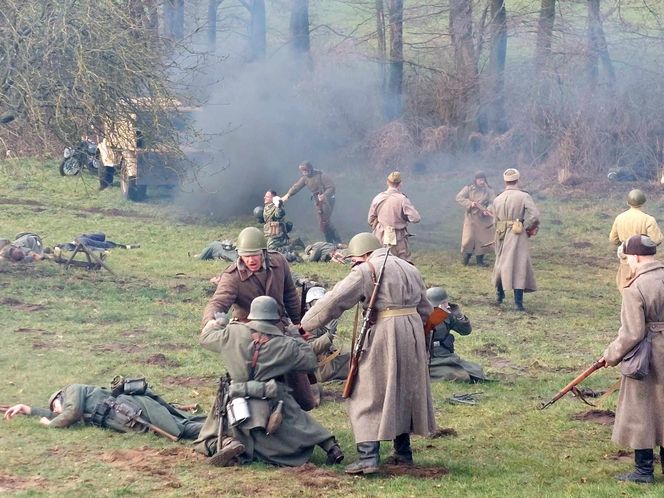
(256, 272)
(632, 222)
(258, 357)
(391, 397)
(516, 219)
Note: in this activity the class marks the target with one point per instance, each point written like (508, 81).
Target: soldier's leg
(518, 300)
(480, 260)
(334, 453)
(466, 258)
(500, 293)
(324, 212)
(230, 449)
(661, 457)
(643, 468)
(402, 454)
(368, 459)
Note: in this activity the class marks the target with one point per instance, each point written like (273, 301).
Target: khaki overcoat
(392, 395)
(392, 208)
(239, 286)
(513, 267)
(478, 231)
(639, 420)
(628, 223)
(293, 443)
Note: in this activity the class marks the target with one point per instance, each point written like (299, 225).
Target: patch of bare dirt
(328, 395)
(161, 360)
(603, 417)
(27, 330)
(117, 347)
(555, 222)
(10, 483)
(620, 455)
(443, 432)
(417, 471)
(19, 305)
(581, 244)
(170, 346)
(40, 345)
(118, 212)
(180, 288)
(20, 202)
(177, 380)
(313, 477)
(490, 349)
(134, 332)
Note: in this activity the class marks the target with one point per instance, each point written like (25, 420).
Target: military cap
(639, 245)
(480, 174)
(394, 177)
(511, 175)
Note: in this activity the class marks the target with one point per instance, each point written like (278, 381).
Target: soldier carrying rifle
(391, 397)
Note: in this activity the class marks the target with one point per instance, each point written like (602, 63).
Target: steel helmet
(436, 295)
(636, 197)
(251, 241)
(315, 293)
(363, 243)
(264, 308)
(258, 214)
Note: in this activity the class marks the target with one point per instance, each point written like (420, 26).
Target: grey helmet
(264, 308)
(436, 295)
(258, 214)
(314, 294)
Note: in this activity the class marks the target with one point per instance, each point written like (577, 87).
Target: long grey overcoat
(640, 413)
(392, 395)
(478, 228)
(513, 267)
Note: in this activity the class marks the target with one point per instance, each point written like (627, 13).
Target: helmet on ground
(52, 398)
(315, 293)
(251, 241)
(264, 308)
(258, 214)
(362, 243)
(436, 295)
(636, 197)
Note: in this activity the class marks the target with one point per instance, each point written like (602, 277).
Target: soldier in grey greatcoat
(258, 356)
(392, 397)
(639, 420)
(478, 231)
(516, 219)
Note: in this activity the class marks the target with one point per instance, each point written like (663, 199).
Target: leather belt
(389, 313)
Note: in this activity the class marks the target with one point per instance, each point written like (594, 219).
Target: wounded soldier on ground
(25, 247)
(96, 241)
(323, 252)
(333, 362)
(444, 363)
(260, 419)
(108, 408)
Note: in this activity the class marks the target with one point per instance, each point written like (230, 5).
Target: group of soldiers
(276, 350)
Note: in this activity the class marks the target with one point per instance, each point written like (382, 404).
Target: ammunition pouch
(273, 228)
(119, 415)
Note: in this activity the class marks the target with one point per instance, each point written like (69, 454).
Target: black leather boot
(661, 457)
(466, 258)
(643, 468)
(368, 459)
(480, 260)
(334, 453)
(500, 294)
(402, 454)
(518, 300)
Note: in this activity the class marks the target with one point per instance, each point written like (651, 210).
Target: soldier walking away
(632, 222)
(444, 363)
(516, 219)
(389, 215)
(108, 408)
(478, 230)
(639, 420)
(263, 421)
(392, 397)
(333, 362)
(322, 193)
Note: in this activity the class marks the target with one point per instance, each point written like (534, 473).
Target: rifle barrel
(584, 375)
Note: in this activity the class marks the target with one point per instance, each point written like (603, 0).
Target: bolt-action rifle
(572, 385)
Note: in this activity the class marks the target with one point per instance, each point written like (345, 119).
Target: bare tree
(299, 27)
(174, 19)
(496, 91)
(394, 83)
(597, 47)
(256, 28)
(213, 7)
(546, 21)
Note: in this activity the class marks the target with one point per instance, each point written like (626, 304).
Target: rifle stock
(584, 375)
(366, 324)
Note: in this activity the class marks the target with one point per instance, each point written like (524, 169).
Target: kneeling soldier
(258, 356)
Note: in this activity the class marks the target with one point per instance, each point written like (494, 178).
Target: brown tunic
(320, 183)
(640, 412)
(392, 208)
(478, 231)
(513, 267)
(392, 395)
(238, 287)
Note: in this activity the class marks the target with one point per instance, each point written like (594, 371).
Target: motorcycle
(84, 155)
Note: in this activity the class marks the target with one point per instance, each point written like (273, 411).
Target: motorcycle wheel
(94, 164)
(70, 167)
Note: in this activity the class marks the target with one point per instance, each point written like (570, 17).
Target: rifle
(134, 416)
(222, 400)
(437, 316)
(572, 385)
(366, 324)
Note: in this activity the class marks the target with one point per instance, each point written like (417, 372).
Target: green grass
(88, 326)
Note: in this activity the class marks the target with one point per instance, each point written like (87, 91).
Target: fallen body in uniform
(25, 247)
(129, 407)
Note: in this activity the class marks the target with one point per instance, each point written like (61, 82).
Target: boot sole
(365, 471)
(223, 457)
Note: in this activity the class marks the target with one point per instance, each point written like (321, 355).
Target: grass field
(64, 326)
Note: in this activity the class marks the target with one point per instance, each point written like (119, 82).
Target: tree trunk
(497, 118)
(212, 25)
(299, 27)
(393, 88)
(461, 30)
(597, 47)
(174, 19)
(257, 29)
(547, 18)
